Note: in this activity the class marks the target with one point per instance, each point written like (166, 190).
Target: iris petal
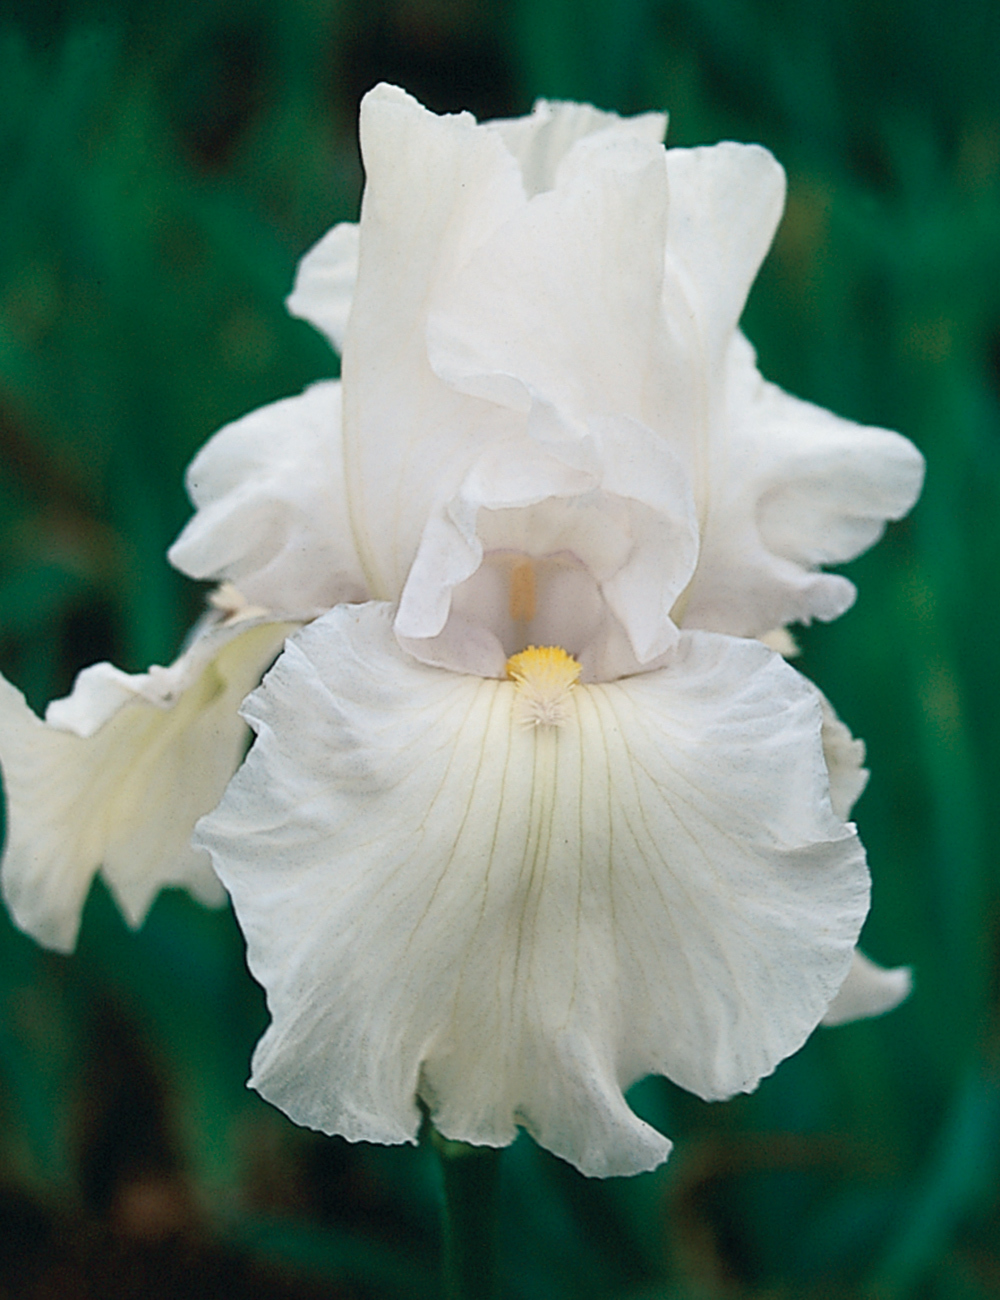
(325, 280)
(516, 923)
(868, 990)
(117, 776)
(271, 513)
(793, 487)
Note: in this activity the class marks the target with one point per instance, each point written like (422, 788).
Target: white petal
(116, 777)
(725, 204)
(845, 759)
(566, 296)
(436, 188)
(324, 282)
(540, 141)
(516, 923)
(629, 523)
(792, 487)
(448, 245)
(271, 514)
(869, 990)
(845, 756)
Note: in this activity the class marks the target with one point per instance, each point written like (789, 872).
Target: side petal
(324, 282)
(271, 512)
(845, 761)
(793, 487)
(516, 923)
(845, 755)
(117, 776)
(869, 990)
(541, 140)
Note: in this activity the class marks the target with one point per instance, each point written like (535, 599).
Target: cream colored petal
(869, 990)
(117, 776)
(271, 511)
(516, 923)
(540, 141)
(793, 487)
(324, 282)
(781, 640)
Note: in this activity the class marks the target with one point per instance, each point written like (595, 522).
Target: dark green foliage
(162, 167)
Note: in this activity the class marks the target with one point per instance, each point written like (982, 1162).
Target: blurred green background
(162, 167)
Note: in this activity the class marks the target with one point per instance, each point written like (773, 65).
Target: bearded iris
(532, 811)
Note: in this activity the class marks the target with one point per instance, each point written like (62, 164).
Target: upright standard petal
(541, 140)
(271, 515)
(535, 364)
(327, 274)
(436, 188)
(117, 776)
(514, 923)
(793, 487)
(725, 204)
(566, 296)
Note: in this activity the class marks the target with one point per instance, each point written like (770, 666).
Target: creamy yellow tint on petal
(116, 777)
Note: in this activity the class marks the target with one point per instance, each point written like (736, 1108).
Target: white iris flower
(544, 815)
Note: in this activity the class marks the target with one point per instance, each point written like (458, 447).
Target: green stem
(470, 1177)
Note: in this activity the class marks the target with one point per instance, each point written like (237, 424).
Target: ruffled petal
(869, 990)
(845, 756)
(560, 337)
(628, 523)
(516, 923)
(566, 296)
(792, 487)
(462, 370)
(725, 204)
(541, 140)
(845, 761)
(117, 776)
(436, 188)
(271, 512)
(324, 282)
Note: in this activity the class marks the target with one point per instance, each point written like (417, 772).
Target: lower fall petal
(117, 776)
(515, 923)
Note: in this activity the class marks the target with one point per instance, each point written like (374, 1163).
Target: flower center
(522, 601)
(544, 677)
